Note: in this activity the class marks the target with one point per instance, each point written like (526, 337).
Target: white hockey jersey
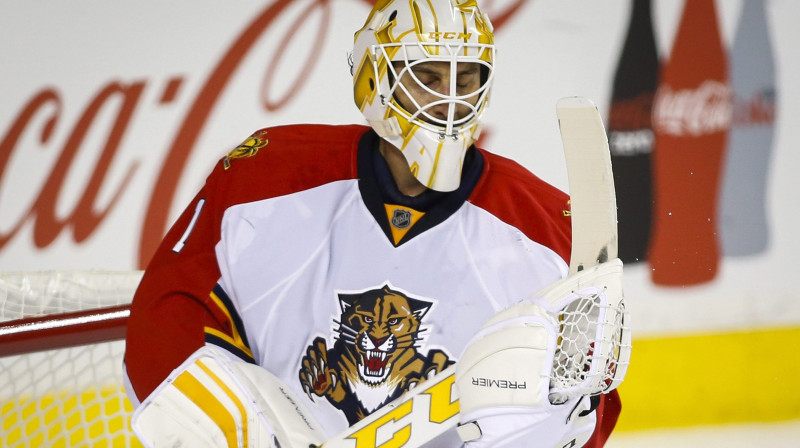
(300, 255)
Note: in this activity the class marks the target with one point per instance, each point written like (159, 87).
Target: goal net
(61, 348)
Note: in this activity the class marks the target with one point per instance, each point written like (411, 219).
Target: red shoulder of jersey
(286, 159)
(521, 199)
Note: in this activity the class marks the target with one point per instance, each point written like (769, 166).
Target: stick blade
(591, 183)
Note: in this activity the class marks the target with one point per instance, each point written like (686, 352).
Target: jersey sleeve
(179, 305)
(607, 414)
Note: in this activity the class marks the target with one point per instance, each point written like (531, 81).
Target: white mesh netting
(29, 294)
(593, 346)
(68, 397)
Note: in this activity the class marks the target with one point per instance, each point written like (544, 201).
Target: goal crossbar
(63, 330)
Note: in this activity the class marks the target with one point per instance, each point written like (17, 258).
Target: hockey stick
(591, 183)
(431, 408)
(415, 418)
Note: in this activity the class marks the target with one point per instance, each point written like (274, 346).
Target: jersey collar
(378, 187)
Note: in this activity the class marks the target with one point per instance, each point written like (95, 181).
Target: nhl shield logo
(401, 219)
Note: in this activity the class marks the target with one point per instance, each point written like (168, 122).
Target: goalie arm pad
(530, 372)
(214, 401)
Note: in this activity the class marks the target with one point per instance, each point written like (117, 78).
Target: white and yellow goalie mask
(422, 71)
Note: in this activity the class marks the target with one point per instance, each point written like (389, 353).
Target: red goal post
(61, 347)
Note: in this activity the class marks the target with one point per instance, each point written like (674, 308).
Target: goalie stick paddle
(431, 408)
(593, 202)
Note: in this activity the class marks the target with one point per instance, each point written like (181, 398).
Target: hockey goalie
(389, 285)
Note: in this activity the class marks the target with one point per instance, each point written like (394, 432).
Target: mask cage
(412, 54)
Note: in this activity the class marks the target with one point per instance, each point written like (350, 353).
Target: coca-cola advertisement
(112, 114)
(630, 132)
(702, 110)
(105, 155)
(692, 118)
(745, 221)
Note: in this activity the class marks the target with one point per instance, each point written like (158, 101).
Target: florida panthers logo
(248, 148)
(375, 357)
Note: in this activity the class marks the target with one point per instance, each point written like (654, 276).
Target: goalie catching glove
(213, 401)
(529, 373)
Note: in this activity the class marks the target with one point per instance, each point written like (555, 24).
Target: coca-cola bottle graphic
(743, 218)
(692, 118)
(630, 132)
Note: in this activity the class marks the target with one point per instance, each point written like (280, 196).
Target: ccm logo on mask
(449, 35)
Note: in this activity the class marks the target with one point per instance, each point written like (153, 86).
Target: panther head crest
(375, 357)
(380, 325)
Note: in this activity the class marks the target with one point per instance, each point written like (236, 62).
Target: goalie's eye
(368, 319)
(393, 321)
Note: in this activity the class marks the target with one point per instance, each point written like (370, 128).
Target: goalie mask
(422, 74)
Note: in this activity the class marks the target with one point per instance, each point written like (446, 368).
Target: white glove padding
(507, 379)
(503, 381)
(567, 425)
(213, 401)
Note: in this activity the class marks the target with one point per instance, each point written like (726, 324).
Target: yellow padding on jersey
(746, 376)
(237, 340)
(205, 400)
(230, 394)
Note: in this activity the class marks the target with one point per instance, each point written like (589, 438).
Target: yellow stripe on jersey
(194, 390)
(234, 342)
(237, 340)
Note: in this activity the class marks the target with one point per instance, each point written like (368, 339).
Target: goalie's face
(431, 92)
